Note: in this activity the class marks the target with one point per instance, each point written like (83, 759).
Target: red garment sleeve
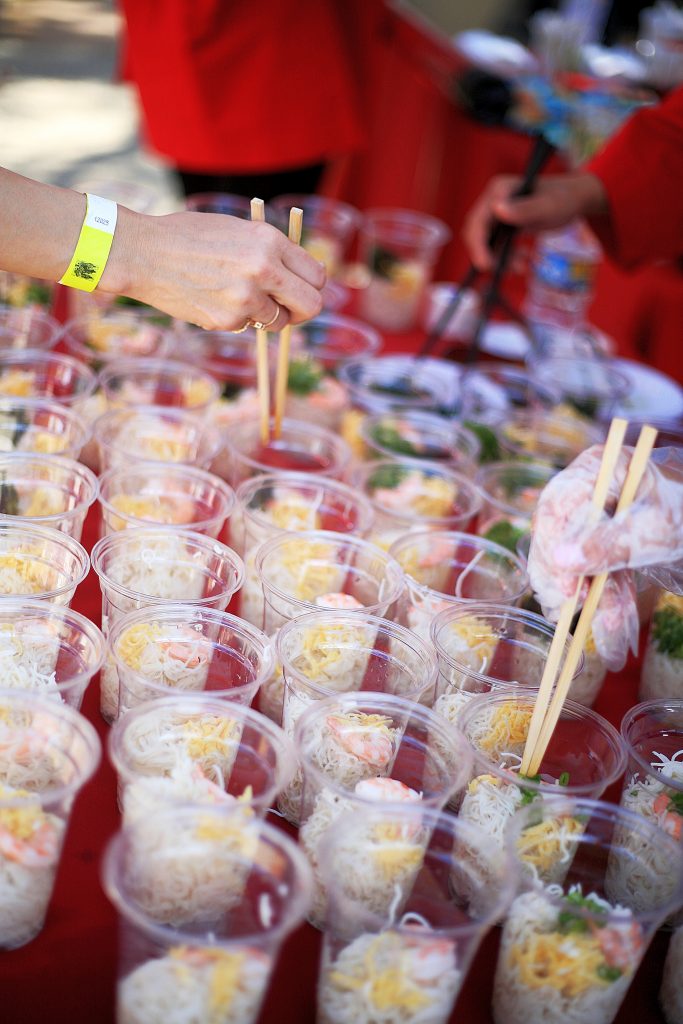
(641, 169)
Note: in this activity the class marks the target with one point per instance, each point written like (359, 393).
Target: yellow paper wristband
(93, 245)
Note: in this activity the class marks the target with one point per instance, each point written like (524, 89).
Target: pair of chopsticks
(551, 697)
(296, 216)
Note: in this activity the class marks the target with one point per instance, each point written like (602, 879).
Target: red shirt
(240, 86)
(641, 169)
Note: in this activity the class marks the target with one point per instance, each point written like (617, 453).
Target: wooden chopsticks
(549, 702)
(296, 216)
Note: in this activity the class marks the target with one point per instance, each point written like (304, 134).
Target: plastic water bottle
(562, 277)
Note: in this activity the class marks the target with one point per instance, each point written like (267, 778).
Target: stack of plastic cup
(48, 751)
(159, 651)
(361, 749)
(405, 959)
(570, 951)
(46, 490)
(206, 899)
(154, 434)
(169, 494)
(40, 563)
(195, 748)
(446, 568)
(49, 650)
(41, 426)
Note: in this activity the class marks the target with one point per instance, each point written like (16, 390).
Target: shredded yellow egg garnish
(226, 969)
(568, 963)
(44, 502)
(293, 513)
(17, 382)
(16, 571)
(477, 781)
(477, 635)
(100, 334)
(320, 649)
(157, 507)
(231, 833)
(21, 822)
(358, 720)
(509, 725)
(397, 857)
(197, 392)
(352, 421)
(134, 640)
(390, 988)
(47, 444)
(435, 498)
(304, 561)
(164, 448)
(541, 845)
(209, 736)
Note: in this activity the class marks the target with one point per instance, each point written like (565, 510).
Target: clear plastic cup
(327, 228)
(318, 568)
(314, 395)
(100, 336)
(570, 951)
(510, 491)
(169, 494)
(406, 958)
(161, 382)
(484, 647)
(326, 653)
(40, 563)
(491, 391)
(409, 494)
(446, 568)
(661, 674)
(229, 358)
(48, 751)
(418, 435)
(400, 249)
(653, 783)
(593, 387)
(41, 426)
(205, 899)
(23, 292)
(158, 651)
(219, 202)
(34, 373)
(27, 327)
(194, 748)
(358, 750)
(402, 383)
(547, 437)
(585, 756)
(302, 448)
(144, 568)
(153, 434)
(46, 490)
(333, 340)
(48, 650)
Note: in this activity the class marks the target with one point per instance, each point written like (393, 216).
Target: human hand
(213, 270)
(556, 200)
(567, 542)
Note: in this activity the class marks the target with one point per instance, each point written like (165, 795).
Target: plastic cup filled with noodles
(48, 650)
(653, 783)
(206, 897)
(490, 647)
(510, 491)
(148, 567)
(152, 434)
(48, 751)
(168, 494)
(332, 340)
(317, 568)
(301, 448)
(100, 336)
(399, 383)
(328, 228)
(362, 749)
(313, 394)
(161, 650)
(231, 360)
(40, 563)
(46, 490)
(411, 495)
(196, 748)
(405, 958)
(569, 951)
(585, 756)
(555, 437)
(418, 435)
(162, 382)
(42, 426)
(661, 674)
(593, 387)
(34, 373)
(329, 652)
(445, 568)
(27, 327)
(400, 249)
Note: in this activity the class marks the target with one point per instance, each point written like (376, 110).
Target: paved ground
(63, 116)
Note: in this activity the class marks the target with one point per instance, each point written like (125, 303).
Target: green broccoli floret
(667, 632)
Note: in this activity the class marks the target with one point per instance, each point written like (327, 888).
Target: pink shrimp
(368, 745)
(339, 601)
(440, 553)
(38, 851)
(431, 959)
(621, 944)
(670, 821)
(386, 790)
(181, 649)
